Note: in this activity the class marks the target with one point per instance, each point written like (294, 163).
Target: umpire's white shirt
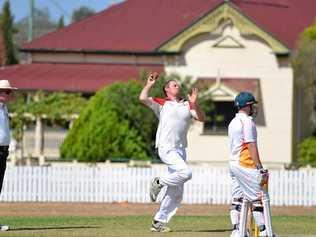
(174, 120)
(4, 126)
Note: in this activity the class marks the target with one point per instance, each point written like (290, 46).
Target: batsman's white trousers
(249, 182)
(237, 193)
(236, 190)
(178, 174)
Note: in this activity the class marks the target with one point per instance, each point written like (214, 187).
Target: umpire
(5, 94)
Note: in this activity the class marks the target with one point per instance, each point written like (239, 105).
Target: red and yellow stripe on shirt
(245, 158)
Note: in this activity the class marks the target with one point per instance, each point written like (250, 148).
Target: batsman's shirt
(241, 130)
(174, 120)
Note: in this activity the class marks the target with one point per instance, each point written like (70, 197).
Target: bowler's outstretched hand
(193, 96)
(193, 99)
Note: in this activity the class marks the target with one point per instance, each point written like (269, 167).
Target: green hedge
(307, 151)
(114, 125)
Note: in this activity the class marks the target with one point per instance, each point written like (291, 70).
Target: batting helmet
(243, 99)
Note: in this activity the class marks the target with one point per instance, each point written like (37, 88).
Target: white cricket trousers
(248, 180)
(246, 184)
(178, 174)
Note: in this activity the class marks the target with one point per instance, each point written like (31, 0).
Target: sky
(57, 8)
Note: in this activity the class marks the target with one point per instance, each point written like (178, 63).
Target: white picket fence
(118, 184)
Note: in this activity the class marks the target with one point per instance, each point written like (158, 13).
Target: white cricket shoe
(155, 188)
(235, 233)
(4, 227)
(264, 233)
(157, 226)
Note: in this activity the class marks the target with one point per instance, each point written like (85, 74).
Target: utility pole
(30, 22)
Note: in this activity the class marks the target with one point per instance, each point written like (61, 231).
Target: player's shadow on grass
(54, 228)
(210, 231)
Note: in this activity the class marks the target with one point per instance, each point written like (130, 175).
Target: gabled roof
(71, 77)
(144, 25)
(285, 22)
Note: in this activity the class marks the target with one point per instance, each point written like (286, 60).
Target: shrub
(307, 150)
(114, 125)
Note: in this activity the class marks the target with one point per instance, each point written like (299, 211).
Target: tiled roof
(71, 77)
(143, 25)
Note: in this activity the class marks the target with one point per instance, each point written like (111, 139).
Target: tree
(304, 64)
(56, 107)
(7, 31)
(105, 130)
(17, 109)
(42, 25)
(61, 23)
(304, 61)
(81, 13)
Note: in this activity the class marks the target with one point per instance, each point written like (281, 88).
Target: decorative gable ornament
(228, 42)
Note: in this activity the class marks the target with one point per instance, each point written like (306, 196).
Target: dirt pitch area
(126, 209)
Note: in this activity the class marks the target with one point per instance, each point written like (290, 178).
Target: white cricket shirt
(174, 120)
(241, 130)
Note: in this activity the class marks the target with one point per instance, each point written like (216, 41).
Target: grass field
(137, 226)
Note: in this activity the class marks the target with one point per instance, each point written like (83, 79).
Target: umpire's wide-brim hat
(5, 85)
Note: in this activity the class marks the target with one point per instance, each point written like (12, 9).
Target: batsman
(174, 114)
(246, 171)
